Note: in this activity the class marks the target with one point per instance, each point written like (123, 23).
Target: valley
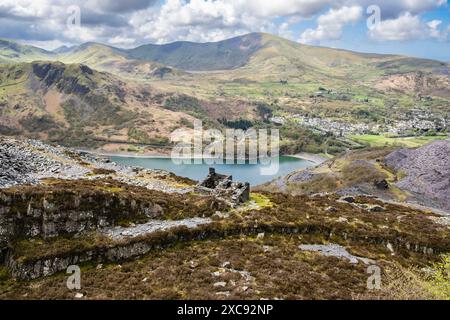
(139, 96)
(363, 181)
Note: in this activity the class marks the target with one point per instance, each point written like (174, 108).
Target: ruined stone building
(223, 187)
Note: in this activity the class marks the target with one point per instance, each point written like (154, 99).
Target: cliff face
(425, 172)
(49, 214)
(55, 74)
(71, 208)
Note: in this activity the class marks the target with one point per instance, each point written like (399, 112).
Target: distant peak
(62, 49)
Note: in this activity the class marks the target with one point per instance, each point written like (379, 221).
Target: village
(417, 122)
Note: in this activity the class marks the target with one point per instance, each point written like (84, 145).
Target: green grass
(381, 141)
(439, 285)
(261, 200)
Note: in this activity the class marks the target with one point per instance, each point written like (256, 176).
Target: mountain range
(252, 50)
(222, 82)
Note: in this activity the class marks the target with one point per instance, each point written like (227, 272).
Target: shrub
(439, 285)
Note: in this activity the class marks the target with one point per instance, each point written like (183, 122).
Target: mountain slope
(11, 51)
(260, 49)
(242, 81)
(425, 172)
(255, 49)
(227, 54)
(94, 55)
(77, 105)
(113, 60)
(266, 58)
(417, 176)
(280, 58)
(62, 49)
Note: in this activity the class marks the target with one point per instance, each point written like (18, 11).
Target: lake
(240, 172)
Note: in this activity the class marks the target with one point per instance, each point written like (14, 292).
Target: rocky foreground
(412, 176)
(146, 234)
(32, 161)
(425, 172)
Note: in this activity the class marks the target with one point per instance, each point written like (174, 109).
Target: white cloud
(124, 23)
(407, 27)
(394, 8)
(26, 9)
(122, 41)
(330, 25)
(271, 9)
(433, 27)
(199, 20)
(285, 31)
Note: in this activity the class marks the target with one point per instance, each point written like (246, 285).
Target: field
(381, 141)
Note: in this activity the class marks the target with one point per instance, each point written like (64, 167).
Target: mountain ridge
(206, 56)
(11, 51)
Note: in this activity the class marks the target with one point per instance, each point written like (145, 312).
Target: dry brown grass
(103, 172)
(410, 283)
(272, 267)
(357, 172)
(320, 183)
(182, 262)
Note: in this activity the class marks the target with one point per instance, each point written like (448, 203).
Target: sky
(418, 28)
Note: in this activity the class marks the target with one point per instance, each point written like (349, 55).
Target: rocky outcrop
(25, 162)
(71, 208)
(135, 246)
(55, 74)
(52, 213)
(426, 172)
(30, 161)
(335, 250)
(121, 233)
(131, 243)
(50, 191)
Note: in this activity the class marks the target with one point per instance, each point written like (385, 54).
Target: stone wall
(52, 214)
(28, 269)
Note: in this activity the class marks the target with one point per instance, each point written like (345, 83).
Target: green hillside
(91, 54)
(223, 55)
(97, 56)
(76, 105)
(11, 51)
(116, 61)
(240, 82)
(267, 51)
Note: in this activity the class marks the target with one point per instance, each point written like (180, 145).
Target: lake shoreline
(255, 173)
(311, 157)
